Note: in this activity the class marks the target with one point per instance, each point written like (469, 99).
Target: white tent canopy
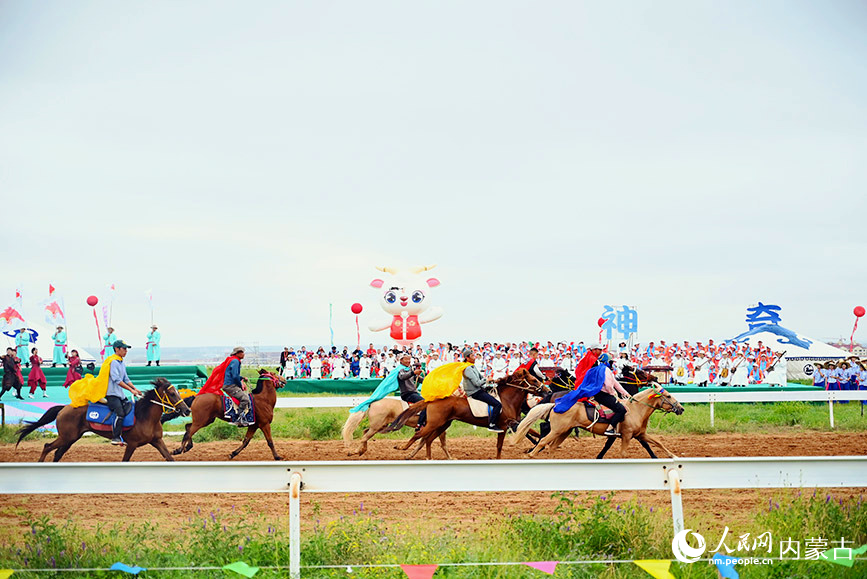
(800, 360)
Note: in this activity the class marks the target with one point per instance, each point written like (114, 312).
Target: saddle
(230, 410)
(479, 408)
(100, 417)
(597, 413)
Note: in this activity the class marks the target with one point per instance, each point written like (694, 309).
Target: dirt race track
(448, 508)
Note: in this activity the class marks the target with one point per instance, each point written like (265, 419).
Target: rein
(166, 402)
(662, 408)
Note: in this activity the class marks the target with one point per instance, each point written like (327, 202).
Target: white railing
(781, 395)
(434, 476)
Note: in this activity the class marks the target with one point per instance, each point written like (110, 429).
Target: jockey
(474, 386)
(532, 366)
(607, 397)
(407, 379)
(232, 385)
(116, 400)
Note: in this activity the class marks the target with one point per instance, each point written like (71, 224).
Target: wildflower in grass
(83, 546)
(240, 548)
(53, 562)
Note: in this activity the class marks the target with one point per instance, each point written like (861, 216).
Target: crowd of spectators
(727, 363)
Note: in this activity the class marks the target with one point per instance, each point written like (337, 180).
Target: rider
(115, 397)
(607, 397)
(474, 386)
(532, 366)
(407, 379)
(233, 385)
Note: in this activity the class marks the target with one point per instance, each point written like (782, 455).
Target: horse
(634, 379)
(513, 392)
(639, 407)
(72, 423)
(380, 414)
(209, 406)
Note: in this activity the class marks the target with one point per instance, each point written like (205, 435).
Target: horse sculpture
(209, 406)
(380, 414)
(72, 423)
(513, 392)
(638, 410)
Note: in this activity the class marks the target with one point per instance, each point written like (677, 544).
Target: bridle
(662, 407)
(166, 402)
(527, 387)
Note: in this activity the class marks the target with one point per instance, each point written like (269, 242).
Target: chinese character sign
(624, 320)
(762, 314)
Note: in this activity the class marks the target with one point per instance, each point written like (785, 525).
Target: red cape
(214, 383)
(587, 362)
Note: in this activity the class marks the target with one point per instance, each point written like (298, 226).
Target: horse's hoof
(278, 458)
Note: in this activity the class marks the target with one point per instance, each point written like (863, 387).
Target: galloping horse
(380, 414)
(513, 392)
(72, 423)
(634, 379)
(209, 406)
(638, 410)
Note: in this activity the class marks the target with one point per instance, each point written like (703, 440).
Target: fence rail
(434, 476)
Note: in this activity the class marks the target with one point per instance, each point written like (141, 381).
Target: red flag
(50, 289)
(419, 571)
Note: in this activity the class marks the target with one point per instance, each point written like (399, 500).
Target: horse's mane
(143, 404)
(265, 376)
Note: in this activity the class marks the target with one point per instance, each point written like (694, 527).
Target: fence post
(676, 499)
(831, 409)
(711, 410)
(295, 525)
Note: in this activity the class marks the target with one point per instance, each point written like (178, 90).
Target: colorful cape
(387, 386)
(443, 381)
(587, 362)
(91, 388)
(214, 383)
(594, 379)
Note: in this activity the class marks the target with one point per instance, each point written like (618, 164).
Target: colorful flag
(656, 568)
(11, 318)
(53, 309)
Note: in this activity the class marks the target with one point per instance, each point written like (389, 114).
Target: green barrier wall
(191, 377)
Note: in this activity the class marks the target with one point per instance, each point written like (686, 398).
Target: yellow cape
(91, 388)
(443, 381)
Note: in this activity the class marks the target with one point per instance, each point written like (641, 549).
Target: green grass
(580, 529)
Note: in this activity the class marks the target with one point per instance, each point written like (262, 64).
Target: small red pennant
(543, 566)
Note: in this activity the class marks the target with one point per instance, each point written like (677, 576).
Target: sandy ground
(462, 509)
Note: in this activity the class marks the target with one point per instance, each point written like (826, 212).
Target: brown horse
(638, 410)
(72, 423)
(380, 414)
(634, 379)
(208, 407)
(513, 392)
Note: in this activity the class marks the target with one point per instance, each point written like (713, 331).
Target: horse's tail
(401, 419)
(538, 412)
(352, 423)
(47, 418)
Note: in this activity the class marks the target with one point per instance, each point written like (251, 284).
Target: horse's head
(169, 397)
(659, 397)
(523, 380)
(266, 375)
(563, 378)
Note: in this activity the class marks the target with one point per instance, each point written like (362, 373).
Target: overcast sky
(252, 163)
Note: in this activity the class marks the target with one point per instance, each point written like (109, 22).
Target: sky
(251, 164)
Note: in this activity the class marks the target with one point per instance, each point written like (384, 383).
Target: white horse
(380, 414)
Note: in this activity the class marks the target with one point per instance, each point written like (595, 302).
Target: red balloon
(356, 308)
(600, 322)
(92, 301)
(859, 311)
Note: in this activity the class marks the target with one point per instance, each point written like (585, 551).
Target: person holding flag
(108, 341)
(153, 346)
(59, 354)
(22, 343)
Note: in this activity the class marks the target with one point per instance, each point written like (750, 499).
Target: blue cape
(387, 386)
(592, 384)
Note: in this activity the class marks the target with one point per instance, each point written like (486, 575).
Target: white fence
(781, 395)
(434, 476)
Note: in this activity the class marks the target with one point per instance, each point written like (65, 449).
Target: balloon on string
(859, 311)
(356, 308)
(92, 300)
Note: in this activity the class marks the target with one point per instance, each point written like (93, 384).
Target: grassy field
(603, 528)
